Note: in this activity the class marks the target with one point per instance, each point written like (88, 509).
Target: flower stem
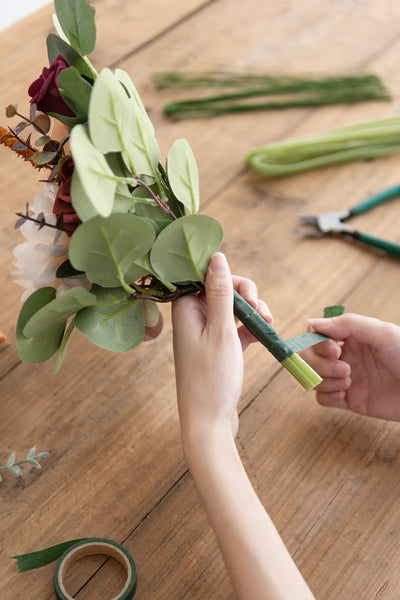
(267, 335)
(302, 371)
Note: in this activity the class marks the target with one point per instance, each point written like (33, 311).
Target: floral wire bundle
(115, 232)
(289, 92)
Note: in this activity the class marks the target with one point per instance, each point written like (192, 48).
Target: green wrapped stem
(280, 349)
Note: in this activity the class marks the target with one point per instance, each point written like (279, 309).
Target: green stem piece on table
(357, 142)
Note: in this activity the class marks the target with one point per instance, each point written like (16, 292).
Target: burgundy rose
(62, 203)
(45, 91)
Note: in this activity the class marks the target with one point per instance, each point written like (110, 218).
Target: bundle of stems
(289, 91)
(357, 142)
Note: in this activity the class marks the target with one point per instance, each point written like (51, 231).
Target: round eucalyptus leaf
(106, 249)
(183, 249)
(113, 323)
(55, 313)
(40, 348)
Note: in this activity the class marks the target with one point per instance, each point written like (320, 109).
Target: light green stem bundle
(289, 92)
(358, 142)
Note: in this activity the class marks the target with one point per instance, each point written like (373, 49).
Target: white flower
(40, 256)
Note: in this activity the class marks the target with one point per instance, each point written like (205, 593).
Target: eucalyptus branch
(11, 111)
(24, 142)
(41, 221)
(160, 203)
(31, 458)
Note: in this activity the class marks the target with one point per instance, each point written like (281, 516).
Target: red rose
(62, 203)
(45, 91)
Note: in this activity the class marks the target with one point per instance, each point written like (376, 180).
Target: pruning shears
(335, 222)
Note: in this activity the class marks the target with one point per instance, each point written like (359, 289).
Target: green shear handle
(336, 222)
(375, 200)
(386, 245)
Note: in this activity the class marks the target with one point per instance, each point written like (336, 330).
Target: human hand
(208, 350)
(360, 366)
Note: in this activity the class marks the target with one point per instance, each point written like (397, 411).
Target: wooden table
(329, 479)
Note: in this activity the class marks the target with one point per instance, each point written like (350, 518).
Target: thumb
(219, 292)
(366, 330)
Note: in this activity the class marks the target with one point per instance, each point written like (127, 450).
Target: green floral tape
(266, 334)
(262, 330)
(69, 552)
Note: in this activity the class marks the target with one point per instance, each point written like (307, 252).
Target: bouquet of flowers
(115, 231)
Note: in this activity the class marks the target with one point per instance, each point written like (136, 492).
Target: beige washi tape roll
(96, 546)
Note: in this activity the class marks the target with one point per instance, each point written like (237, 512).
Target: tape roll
(96, 546)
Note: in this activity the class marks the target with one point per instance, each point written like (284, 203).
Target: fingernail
(319, 322)
(218, 263)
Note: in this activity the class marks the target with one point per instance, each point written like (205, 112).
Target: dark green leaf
(68, 121)
(66, 270)
(76, 18)
(333, 311)
(75, 91)
(57, 46)
(40, 348)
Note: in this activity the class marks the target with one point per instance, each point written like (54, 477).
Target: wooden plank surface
(330, 480)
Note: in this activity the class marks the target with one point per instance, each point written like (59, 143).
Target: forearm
(258, 562)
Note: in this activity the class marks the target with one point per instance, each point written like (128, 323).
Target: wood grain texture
(330, 480)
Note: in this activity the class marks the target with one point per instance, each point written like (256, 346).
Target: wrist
(204, 442)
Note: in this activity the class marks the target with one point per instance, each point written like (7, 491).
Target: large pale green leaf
(76, 18)
(142, 151)
(183, 174)
(183, 249)
(57, 46)
(96, 177)
(123, 200)
(113, 323)
(37, 349)
(80, 200)
(75, 91)
(129, 86)
(55, 313)
(110, 113)
(106, 249)
(119, 123)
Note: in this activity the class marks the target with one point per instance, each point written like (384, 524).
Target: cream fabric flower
(40, 256)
